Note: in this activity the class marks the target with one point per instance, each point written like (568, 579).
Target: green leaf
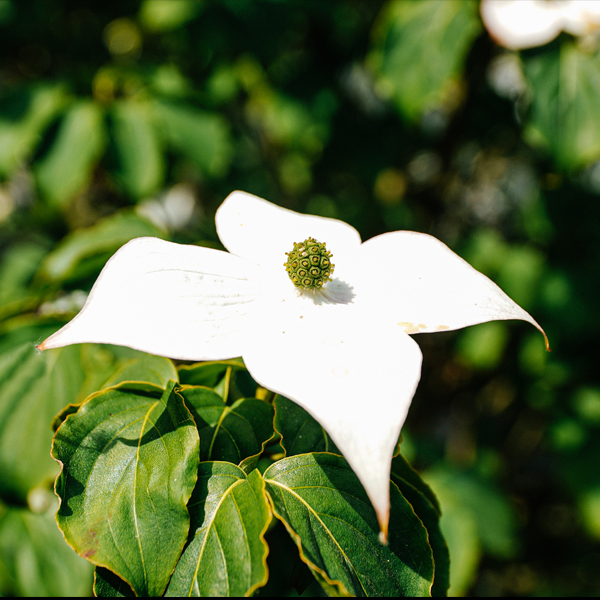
(129, 463)
(426, 507)
(108, 585)
(401, 470)
(166, 15)
(207, 374)
(19, 263)
(420, 51)
(201, 136)
(7, 12)
(68, 166)
(237, 433)
(300, 433)
(227, 556)
(85, 251)
(328, 514)
(494, 513)
(24, 117)
(34, 388)
(141, 160)
(564, 118)
(36, 558)
(104, 369)
(482, 346)
(148, 368)
(229, 378)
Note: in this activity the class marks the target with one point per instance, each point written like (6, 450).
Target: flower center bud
(309, 265)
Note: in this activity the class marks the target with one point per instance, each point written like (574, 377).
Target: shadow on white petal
(335, 292)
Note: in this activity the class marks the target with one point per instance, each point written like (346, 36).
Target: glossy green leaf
(34, 388)
(129, 466)
(201, 136)
(426, 507)
(227, 556)
(209, 373)
(36, 558)
(401, 469)
(327, 512)
(23, 119)
(420, 51)
(229, 378)
(141, 162)
(85, 251)
(109, 585)
(564, 118)
(68, 166)
(234, 433)
(103, 368)
(300, 433)
(156, 370)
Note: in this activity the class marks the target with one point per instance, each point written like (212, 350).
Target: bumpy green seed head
(309, 265)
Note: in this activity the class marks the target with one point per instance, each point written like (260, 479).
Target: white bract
(342, 353)
(518, 24)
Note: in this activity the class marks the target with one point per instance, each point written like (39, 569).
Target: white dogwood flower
(317, 316)
(518, 24)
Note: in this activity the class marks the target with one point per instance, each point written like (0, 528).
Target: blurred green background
(137, 117)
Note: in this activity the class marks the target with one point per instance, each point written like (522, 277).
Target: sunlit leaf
(129, 466)
(564, 119)
(141, 163)
(328, 514)
(148, 368)
(227, 556)
(68, 166)
(209, 373)
(420, 51)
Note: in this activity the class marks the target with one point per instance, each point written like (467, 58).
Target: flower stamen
(309, 265)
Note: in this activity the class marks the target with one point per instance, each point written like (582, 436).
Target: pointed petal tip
(546, 340)
(383, 538)
(41, 346)
(384, 521)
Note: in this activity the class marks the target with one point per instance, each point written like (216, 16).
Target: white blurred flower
(173, 210)
(341, 352)
(518, 24)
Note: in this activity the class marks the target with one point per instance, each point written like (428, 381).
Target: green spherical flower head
(309, 265)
